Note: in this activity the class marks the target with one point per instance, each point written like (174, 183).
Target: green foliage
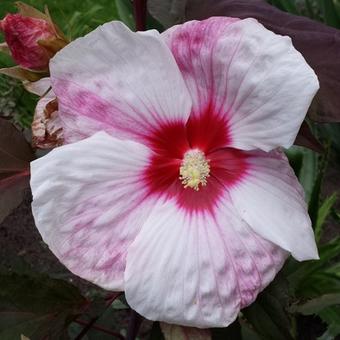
(318, 304)
(268, 315)
(233, 331)
(125, 12)
(16, 103)
(305, 163)
(156, 332)
(323, 213)
(314, 286)
(286, 5)
(327, 11)
(331, 316)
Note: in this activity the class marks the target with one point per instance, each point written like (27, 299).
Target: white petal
(270, 199)
(252, 78)
(122, 82)
(88, 204)
(197, 270)
(39, 87)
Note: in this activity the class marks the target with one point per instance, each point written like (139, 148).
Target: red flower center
(207, 133)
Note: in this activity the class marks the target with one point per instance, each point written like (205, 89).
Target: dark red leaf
(306, 138)
(37, 306)
(15, 157)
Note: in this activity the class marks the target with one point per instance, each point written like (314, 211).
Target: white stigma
(194, 169)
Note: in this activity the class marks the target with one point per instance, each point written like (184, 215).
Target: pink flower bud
(22, 35)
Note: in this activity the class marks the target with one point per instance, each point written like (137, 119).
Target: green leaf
(248, 333)
(309, 7)
(286, 5)
(125, 13)
(327, 336)
(268, 314)
(119, 305)
(314, 201)
(156, 332)
(38, 307)
(323, 213)
(328, 251)
(323, 283)
(331, 132)
(331, 316)
(308, 171)
(337, 7)
(233, 331)
(314, 277)
(329, 13)
(152, 23)
(295, 157)
(316, 305)
(289, 6)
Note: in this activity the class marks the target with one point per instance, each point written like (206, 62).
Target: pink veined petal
(88, 204)
(253, 78)
(196, 269)
(124, 83)
(271, 200)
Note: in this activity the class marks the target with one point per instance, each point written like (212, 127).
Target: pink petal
(250, 77)
(197, 269)
(319, 43)
(270, 199)
(122, 82)
(88, 204)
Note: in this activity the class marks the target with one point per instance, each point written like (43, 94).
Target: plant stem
(101, 329)
(140, 14)
(134, 324)
(88, 326)
(91, 323)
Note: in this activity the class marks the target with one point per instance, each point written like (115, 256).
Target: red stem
(134, 324)
(101, 329)
(140, 14)
(91, 324)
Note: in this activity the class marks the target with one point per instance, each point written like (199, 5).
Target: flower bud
(26, 38)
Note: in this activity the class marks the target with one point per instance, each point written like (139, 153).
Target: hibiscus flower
(173, 186)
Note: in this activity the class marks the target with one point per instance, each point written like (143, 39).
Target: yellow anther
(194, 169)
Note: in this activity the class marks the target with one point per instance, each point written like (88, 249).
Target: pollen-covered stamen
(194, 169)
